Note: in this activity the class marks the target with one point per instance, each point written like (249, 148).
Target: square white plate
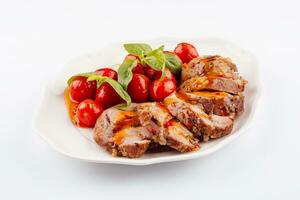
(52, 123)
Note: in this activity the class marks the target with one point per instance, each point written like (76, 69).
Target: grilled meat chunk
(211, 73)
(196, 120)
(221, 84)
(120, 133)
(164, 129)
(218, 103)
(209, 65)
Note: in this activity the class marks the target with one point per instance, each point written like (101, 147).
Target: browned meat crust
(196, 120)
(211, 73)
(221, 84)
(120, 133)
(134, 150)
(218, 103)
(210, 65)
(164, 129)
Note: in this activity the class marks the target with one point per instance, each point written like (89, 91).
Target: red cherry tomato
(186, 52)
(88, 112)
(106, 96)
(108, 72)
(160, 89)
(149, 72)
(169, 75)
(139, 69)
(81, 89)
(132, 57)
(138, 88)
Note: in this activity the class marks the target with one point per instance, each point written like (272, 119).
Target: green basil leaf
(122, 106)
(161, 48)
(93, 76)
(125, 72)
(153, 62)
(79, 75)
(173, 62)
(138, 49)
(155, 59)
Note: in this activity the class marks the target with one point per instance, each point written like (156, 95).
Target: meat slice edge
(120, 133)
(196, 120)
(214, 83)
(210, 65)
(164, 129)
(218, 103)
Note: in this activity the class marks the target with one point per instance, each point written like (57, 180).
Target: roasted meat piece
(221, 84)
(218, 103)
(120, 133)
(206, 126)
(209, 65)
(211, 73)
(164, 129)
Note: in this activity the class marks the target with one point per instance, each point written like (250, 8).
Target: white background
(37, 38)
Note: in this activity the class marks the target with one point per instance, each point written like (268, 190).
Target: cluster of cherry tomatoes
(146, 85)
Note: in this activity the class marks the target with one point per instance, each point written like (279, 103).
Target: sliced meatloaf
(206, 126)
(210, 65)
(211, 73)
(221, 84)
(164, 129)
(120, 133)
(218, 103)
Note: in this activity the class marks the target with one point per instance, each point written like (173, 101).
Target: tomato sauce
(71, 107)
(118, 137)
(126, 119)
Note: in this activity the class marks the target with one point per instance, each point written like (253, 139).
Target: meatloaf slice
(120, 133)
(213, 65)
(212, 73)
(164, 129)
(196, 120)
(215, 83)
(218, 103)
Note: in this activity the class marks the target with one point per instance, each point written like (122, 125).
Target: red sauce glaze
(71, 107)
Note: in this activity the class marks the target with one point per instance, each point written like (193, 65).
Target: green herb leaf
(155, 59)
(122, 106)
(173, 62)
(93, 76)
(138, 49)
(87, 74)
(125, 72)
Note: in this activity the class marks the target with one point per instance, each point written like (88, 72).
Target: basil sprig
(173, 62)
(138, 49)
(93, 76)
(125, 72)
(157, 59)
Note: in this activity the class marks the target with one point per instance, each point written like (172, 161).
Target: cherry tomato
(108, 72)
(139, 69)
(81, 89)
(132, 57)
(106, 96)
(88, 112)
(138, 88)
(169, 75)
(186, 52)
(160, 89)
(149, 72)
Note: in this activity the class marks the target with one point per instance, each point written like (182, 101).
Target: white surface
(52, 123)
(36, 38)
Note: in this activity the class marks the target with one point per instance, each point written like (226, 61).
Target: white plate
(52, 123)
